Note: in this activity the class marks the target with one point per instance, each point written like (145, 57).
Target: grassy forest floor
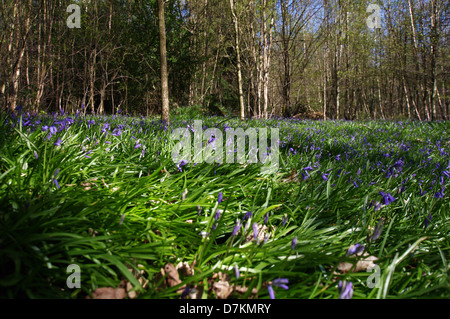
(357, 209)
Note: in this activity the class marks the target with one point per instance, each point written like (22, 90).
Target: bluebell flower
(428, 220)
(182, 163)
(219, 199)
(284, 220)
(398, 164)
(294, 242)
(271, 292)
(236, 228)
(105, 127)
(217, 216)
(247, 215)
(377, 232)
(53, 130)
(387, 198)
(44, 128)
(58, 142)
(345, 290)
(236, 271)
(281, 282)
(355, 249)
(255, 231)
(55, 181)
(185, 292)
(266, 218)
(440, 194)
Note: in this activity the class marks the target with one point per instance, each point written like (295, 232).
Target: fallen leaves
(219, 284)
(109, 292)
(223, 288)
(124, 290)
(361, 265)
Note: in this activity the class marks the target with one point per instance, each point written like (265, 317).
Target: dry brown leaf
(171, 273)
(263, 233)
(243, 290)
(361, 265)
(196, 292)
(185, 269)
(131, 293)
(109, 293)
(222, 289)
(139, 276)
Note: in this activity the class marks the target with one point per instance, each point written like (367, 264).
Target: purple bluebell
(44, 128)
(255, 231)
(105, 127)
(387, 198)
(266, 218)
(219, 198)
(185, 292)
(55, 181)
(236, 228)
(428, 220)
(182, 163)
(271, 292)
(36, 155)
(281, 282)
(439, 194)
(355, 249)
(294, 242)
(248, 215)
(236, 271)
(58, 142)
(377, 232)
(345, 290)
(217, 216)
(53, 130)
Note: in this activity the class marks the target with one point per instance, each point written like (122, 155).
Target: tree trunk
(241, 92)
(164, 73)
